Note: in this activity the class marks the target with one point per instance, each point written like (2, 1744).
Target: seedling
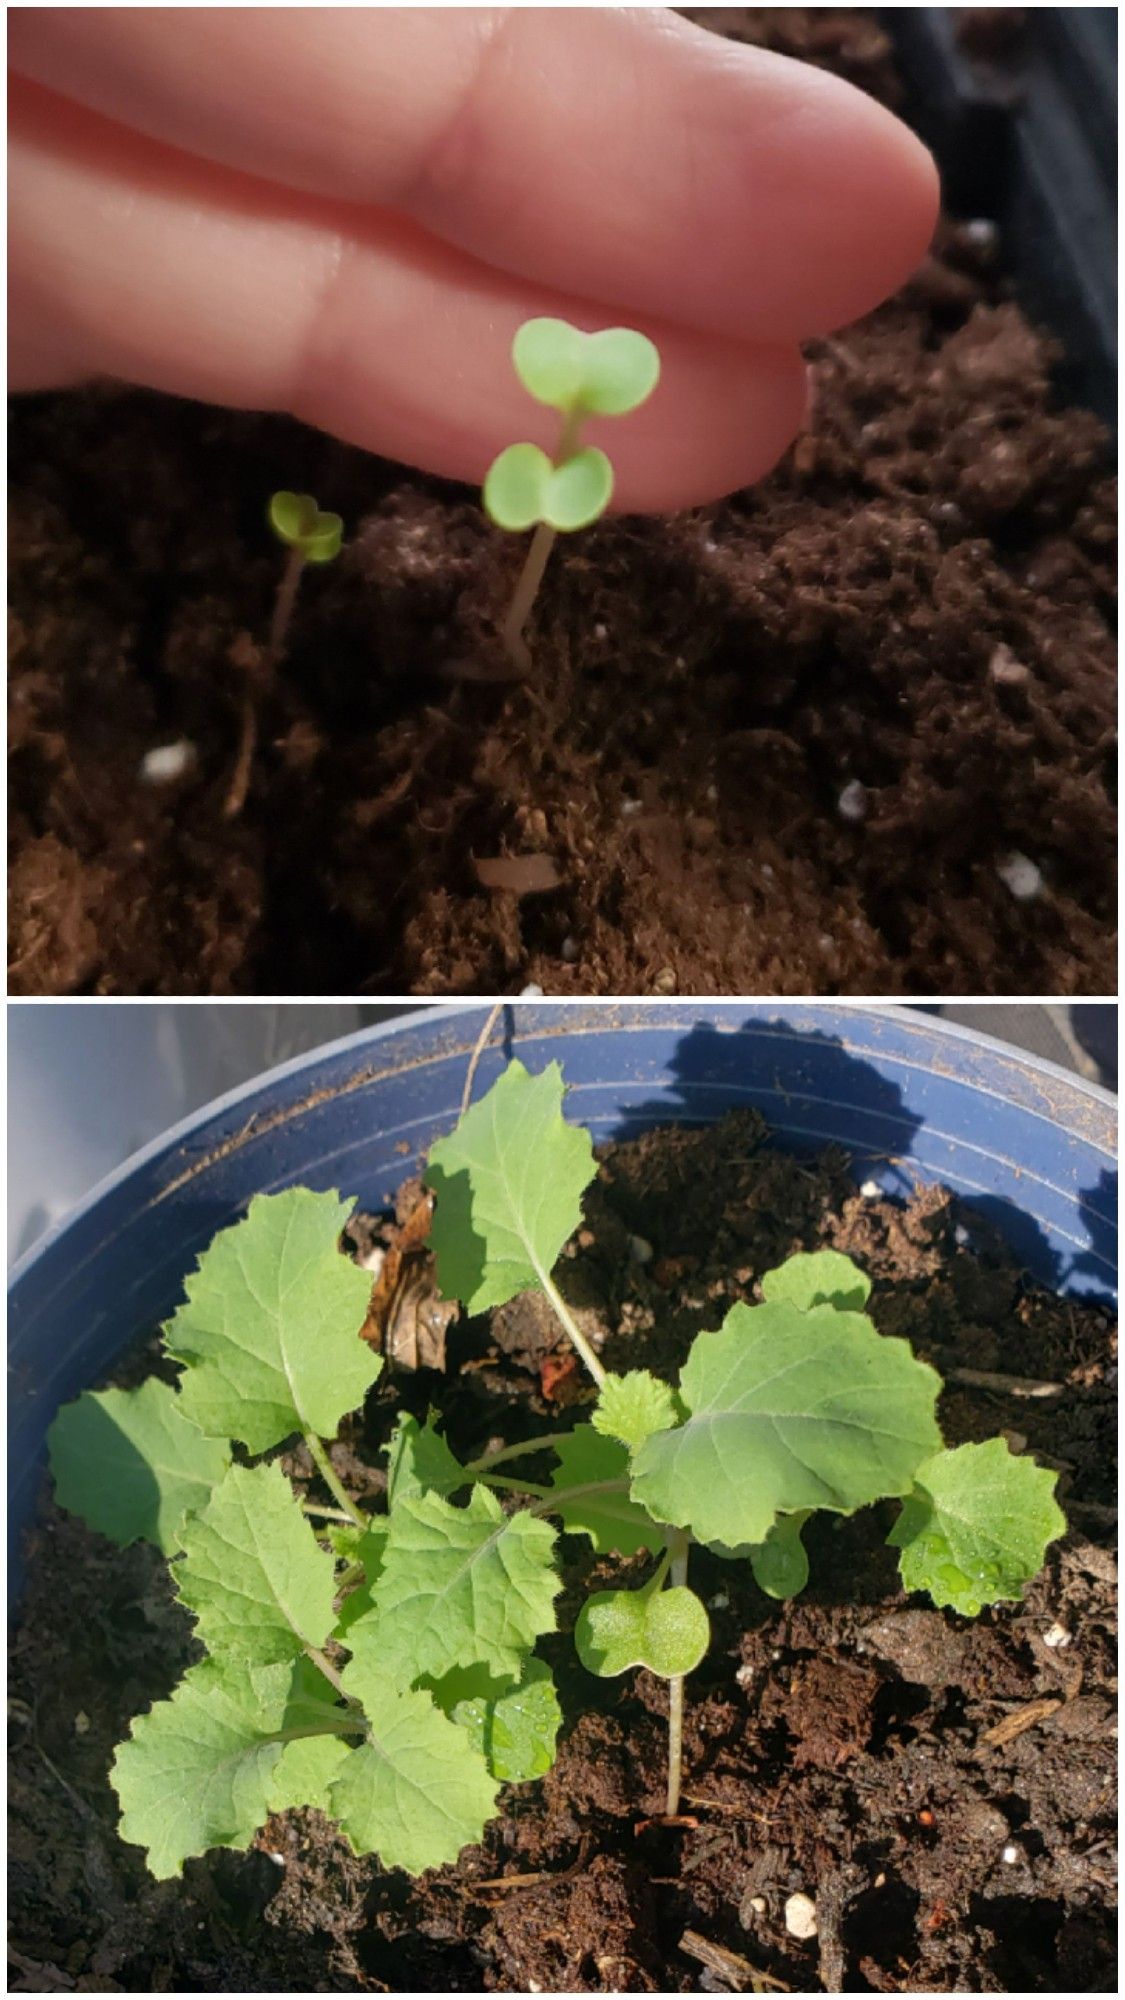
(580, 375)
(381, 1666)
(310, 537)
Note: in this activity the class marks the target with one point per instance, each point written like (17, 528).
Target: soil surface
(846, 732)
(941, 1788)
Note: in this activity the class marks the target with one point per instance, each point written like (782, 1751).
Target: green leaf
(667, 1631)
(298, 522)
(607, 373)
(818, 1278)
(198, 1770)
(420, 1461)
(253, 1573)
(976, 1528)
(631, 1407)
(788, 1410)
(460, 1586)
(417, 1791)
(129, 1462)
(513, 1725)
(780, 1565)
(612, 1520)
(522, 487)
(269, 1335)
(509, 1181)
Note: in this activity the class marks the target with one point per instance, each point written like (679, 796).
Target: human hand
(345, 213)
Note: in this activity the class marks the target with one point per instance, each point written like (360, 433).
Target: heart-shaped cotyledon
(667, 1631)
(298, 522)
(523, 488)
(607, 373)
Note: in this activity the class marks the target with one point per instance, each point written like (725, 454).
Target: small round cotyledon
(298, 522)
(604, 374)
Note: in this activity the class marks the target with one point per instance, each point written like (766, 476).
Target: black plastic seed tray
(1021, 113)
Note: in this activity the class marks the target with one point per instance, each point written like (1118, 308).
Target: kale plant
(382, 1666)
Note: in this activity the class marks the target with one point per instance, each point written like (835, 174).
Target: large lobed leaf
(129, 1462)
(418, 1790)
(253, 1573)
(459, 1586)
(509, 1181)
(269, 1333)
(203, 1769)
(788, 1410)
(977, 1525)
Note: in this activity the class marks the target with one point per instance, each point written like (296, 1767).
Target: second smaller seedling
(581, 375)
(310, 536)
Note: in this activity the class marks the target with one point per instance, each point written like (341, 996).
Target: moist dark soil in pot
(917, 604)
(941, 1787)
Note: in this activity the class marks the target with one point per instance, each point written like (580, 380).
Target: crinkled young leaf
(253, 1573)
(269, 1335)
(611, 1519)
(780, 1565)
(513, 1725)
(667, 1631)
(417, 1791)
(459, 1586)
(129, 1462)
(631, 1407)
(788, 1410)
(818, 1278)
(976, 1528)
(420, 1461)
(509, 1181)
(198, 1770)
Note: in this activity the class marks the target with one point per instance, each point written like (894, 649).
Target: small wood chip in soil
(519, 874)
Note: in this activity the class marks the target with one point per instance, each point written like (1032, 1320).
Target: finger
(141, 263)
(622, 154)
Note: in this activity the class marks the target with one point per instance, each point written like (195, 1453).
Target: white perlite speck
(800, 1916)
(1010, 1854)
(852, 802)
(871, 1190)
(1021, 876)
(531, 991)
(568, 950)
(1005, 669)
(1057, 1636)
(167, 762)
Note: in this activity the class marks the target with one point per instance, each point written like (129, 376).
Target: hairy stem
(488, 1459)
(326, 1513)
(512, 1485)
(324, 1466)
(320, 1660)
(678, 1548)
(562, 1312)
(538, 555)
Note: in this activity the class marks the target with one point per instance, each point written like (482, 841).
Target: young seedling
(580, 375)
(381, 1666)
(310, 537)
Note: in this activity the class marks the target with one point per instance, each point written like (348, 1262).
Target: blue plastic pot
(912, 1099)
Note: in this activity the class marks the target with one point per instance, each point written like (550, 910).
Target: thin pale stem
(565, 1495)
(678, 1550)
(563, 1313)
(283, 607)
(538, 555)
(478, 1051)
(248, 736)
(488, 1459)
(513, 1485)
(327, 1513)
(320, 1660)
(339, 1492)
(348, 1725)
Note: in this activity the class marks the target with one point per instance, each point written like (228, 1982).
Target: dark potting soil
(913, 612)
(942, 1788)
